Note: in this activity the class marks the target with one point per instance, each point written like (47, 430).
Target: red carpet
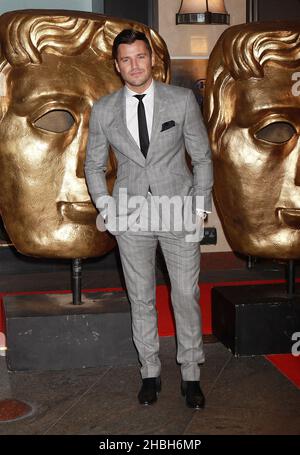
(287, 364)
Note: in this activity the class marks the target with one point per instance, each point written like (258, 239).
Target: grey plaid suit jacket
(177, 126)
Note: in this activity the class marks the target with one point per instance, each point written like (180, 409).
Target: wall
(272, 10)
(133, 9)
(180, 38)
(81, 5)
(197, 41)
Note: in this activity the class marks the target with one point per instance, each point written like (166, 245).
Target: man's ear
(117, 66)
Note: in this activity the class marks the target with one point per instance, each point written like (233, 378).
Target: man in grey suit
(149, 125)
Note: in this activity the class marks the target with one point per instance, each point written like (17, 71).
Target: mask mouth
(289, 216)
(78, 212)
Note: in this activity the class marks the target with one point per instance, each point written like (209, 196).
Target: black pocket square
(167, 125)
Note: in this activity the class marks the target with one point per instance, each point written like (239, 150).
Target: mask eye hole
(56, 121)
(276, 133)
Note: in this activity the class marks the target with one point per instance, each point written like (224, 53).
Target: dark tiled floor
(244, 395)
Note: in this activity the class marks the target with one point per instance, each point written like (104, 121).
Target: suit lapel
(160, 104)
(132, 151)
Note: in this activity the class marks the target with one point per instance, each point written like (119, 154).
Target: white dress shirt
(132, 108)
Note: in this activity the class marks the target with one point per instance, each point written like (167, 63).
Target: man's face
(134, 63)
(257, 167)
(44, 200)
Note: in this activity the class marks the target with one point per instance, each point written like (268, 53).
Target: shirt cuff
(202, 213)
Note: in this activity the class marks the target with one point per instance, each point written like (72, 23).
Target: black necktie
(143, 130)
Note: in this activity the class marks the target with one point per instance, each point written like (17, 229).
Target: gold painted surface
(252, 110)
(53, 66)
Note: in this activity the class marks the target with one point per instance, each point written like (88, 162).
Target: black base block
(48, 332)
(255, 320)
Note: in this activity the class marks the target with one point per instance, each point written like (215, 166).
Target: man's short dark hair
(129, 36)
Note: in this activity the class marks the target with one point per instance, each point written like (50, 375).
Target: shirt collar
(130, 93)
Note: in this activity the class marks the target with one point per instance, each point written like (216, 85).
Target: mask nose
(73, 184)
(81, 156)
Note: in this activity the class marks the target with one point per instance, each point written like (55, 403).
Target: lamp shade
(202, 12)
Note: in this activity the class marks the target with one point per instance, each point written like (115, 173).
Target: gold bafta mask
(252, 110)
(53, 66)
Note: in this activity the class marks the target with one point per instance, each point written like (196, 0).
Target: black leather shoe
(149, 390)
(193, 394)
